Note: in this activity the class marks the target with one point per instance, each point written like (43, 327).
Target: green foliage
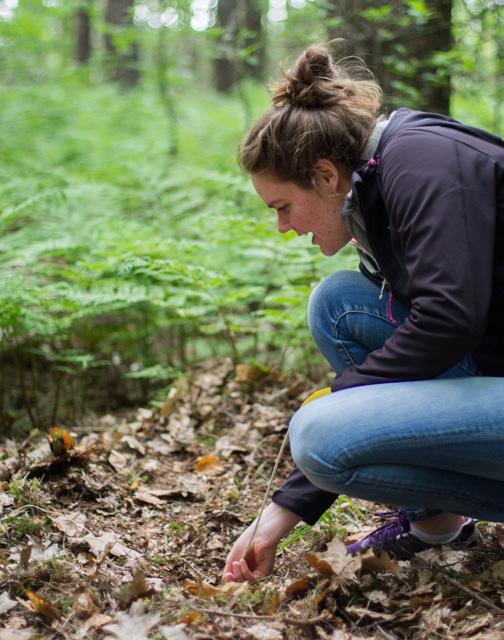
(333, 522)
(19, 527)
(25, 491)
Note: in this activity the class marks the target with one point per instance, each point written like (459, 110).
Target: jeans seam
(342, 315)
(424, 492)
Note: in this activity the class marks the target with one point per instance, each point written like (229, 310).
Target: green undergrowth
(121, 265)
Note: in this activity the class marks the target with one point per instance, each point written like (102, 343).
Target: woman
(416, 338)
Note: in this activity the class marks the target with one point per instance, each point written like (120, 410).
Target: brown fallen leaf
(298, 586)
(273, 605)
(85, 604)
(208, 465)
(97, 620)
(98, 544)
(200, 588)
(137, 588)
(71, 524)
(249, 374)
(193, 617)
(145, 495)
(133, 624)
(177, 393)
(133, 444)
(117, 460)
(372, 563)
(43, 607)
(335, 561)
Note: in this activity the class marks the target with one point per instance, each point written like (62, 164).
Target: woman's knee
(329, 298)
(311, 451)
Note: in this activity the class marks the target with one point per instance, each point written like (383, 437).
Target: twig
(266, 494)
(456, 583)
(307, 622)
(473, 594)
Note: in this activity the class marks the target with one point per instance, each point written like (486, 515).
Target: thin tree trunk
(118, 13)
(225, 62)
(83, 41)
(413, 44)
(254, 63)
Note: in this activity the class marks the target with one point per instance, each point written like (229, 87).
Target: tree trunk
(83, 41)
(254, 63)
(118, 14)
(226, 73)
(402, 59)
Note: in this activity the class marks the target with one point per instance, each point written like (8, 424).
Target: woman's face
(305, 211)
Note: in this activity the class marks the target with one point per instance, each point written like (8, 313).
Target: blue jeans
(431, 445)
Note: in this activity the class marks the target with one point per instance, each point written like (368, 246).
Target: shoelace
(389, 529)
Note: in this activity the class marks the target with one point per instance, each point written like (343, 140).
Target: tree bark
(226, 73)
(413, 43)
(83, 41)
(253, 65)
(118, 13)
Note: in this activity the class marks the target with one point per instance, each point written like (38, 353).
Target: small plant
(157, 560)
(25, 491)
(21, 526)
(333, 522)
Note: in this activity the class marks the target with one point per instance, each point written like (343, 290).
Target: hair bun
(314, 82)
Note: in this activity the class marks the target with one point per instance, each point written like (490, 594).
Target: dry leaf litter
(121, 531)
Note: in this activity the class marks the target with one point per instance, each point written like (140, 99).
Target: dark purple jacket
(433, 208)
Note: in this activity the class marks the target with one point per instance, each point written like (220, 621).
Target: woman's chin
(327, 251)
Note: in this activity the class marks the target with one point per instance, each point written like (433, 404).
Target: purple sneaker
(395, 537)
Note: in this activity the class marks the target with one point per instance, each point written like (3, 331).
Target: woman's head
(319, 112)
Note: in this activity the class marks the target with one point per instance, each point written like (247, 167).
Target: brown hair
(321, 110)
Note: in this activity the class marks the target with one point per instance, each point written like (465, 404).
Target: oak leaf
(335, 561)
(372, 563)
(137, 588)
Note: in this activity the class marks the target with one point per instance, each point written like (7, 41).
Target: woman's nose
(283, 223)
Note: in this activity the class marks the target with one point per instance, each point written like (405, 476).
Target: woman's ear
(326, 176)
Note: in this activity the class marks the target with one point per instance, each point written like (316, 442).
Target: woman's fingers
(240, 572)
(246, 571)
(228, 577)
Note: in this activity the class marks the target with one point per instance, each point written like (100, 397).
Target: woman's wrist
(278, 521)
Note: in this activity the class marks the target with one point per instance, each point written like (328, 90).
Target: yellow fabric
(317, 394)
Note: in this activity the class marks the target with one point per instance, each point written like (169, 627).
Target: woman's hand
(276, 522)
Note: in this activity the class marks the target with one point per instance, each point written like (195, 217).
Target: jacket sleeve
(300, 496)
(440, 195)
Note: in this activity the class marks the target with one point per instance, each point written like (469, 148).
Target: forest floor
(124, 533)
